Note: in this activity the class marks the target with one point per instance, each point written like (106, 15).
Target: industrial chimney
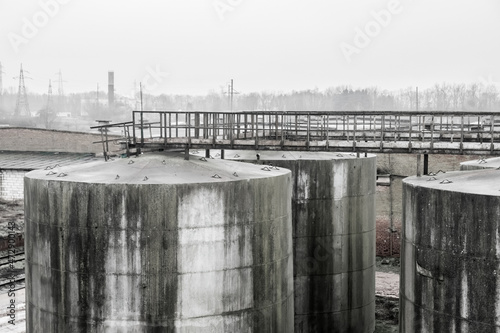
(111, 89)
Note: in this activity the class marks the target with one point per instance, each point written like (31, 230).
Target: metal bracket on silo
(435, 173)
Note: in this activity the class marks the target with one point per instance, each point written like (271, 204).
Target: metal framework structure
(22, 105)
(416, 132)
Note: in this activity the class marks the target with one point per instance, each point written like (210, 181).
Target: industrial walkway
(424, 132)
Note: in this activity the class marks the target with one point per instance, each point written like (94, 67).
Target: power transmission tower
(22, 106)
(1, 78)
(230, 94)
(46, 114)
(1, 85)
(49, 97)
(60, 91)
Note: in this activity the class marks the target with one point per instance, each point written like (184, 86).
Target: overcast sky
(194, 46)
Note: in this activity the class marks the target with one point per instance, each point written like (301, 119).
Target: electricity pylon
(22, 106)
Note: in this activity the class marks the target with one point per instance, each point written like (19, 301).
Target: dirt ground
(387, 272)
(387, 295)
(11, 211)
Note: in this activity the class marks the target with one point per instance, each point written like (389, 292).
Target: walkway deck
(436, 132)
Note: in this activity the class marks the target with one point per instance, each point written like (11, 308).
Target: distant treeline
(476, 96)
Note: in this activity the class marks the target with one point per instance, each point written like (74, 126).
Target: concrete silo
(333, 204)
(450, 273)
(159, 244)
(490, 163)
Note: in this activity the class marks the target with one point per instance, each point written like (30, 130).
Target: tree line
(442, 97)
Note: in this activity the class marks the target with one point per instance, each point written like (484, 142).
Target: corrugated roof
(22, 160)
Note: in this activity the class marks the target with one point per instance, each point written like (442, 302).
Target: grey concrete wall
(388, 217)
(179, 251)
(334, 238)
(450, 278)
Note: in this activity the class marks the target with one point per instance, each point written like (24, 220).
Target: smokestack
(111, 89)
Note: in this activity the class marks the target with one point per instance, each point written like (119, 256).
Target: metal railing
(445, 132)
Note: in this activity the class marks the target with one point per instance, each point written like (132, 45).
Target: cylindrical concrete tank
(450, 273)
(334, 237)
(490, 163)
(159, 244)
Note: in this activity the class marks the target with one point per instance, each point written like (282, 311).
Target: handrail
(448, 132)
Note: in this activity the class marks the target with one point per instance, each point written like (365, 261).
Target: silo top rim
(482, 181)
(484, 163)
(158, 168)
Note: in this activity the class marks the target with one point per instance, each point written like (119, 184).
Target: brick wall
(32, 139)
(12, 184)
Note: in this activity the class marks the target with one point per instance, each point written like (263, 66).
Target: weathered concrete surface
(388, 198)
(450, 274)
(334, 238)
(490, 163)
(109, 250)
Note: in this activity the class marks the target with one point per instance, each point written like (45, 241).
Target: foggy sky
(194, 46)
